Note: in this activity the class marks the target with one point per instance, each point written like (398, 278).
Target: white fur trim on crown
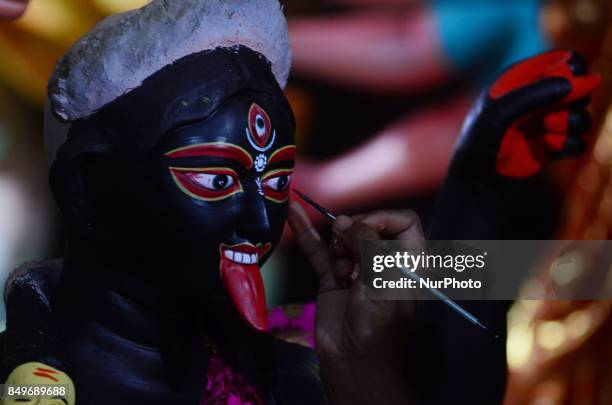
(124, 49)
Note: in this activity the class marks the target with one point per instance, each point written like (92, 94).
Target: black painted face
(183, 181)
(223, 195)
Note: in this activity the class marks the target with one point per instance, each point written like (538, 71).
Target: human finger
(395, 224)
(311, 244)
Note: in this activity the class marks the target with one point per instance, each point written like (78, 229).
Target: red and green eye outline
(192, 181)
(272, 194)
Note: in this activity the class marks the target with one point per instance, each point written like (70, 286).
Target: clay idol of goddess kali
(171, 149)
(171, 146)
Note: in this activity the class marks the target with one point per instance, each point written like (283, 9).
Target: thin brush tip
(489, 331)
(318, 207)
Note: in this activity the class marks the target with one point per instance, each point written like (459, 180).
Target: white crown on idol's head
(123, 50)
(119, 53)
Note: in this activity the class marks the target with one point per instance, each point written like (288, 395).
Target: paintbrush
(437, 293)
(315, 205)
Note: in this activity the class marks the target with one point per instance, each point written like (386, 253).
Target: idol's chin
(245, 287)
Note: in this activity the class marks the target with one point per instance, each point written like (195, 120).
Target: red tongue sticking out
(244, 284)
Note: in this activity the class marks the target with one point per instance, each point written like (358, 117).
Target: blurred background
(380, 89)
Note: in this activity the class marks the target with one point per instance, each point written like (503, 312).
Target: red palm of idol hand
(534, 113)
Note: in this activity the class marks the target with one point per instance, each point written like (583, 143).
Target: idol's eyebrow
(282, 154)
(64, 400)
(216, 149)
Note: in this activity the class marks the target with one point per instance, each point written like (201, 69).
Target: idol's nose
(254, 218)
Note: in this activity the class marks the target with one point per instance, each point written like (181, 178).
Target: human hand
(360, 342)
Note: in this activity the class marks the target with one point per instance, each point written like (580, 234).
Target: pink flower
(226, 387)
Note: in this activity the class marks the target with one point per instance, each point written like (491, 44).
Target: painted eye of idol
(206, 184)
(260, 126)
(212, 183)
(276, 185)
(217, 182)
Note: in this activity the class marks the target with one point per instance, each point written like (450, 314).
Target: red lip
(243, 281)
(260, 249)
